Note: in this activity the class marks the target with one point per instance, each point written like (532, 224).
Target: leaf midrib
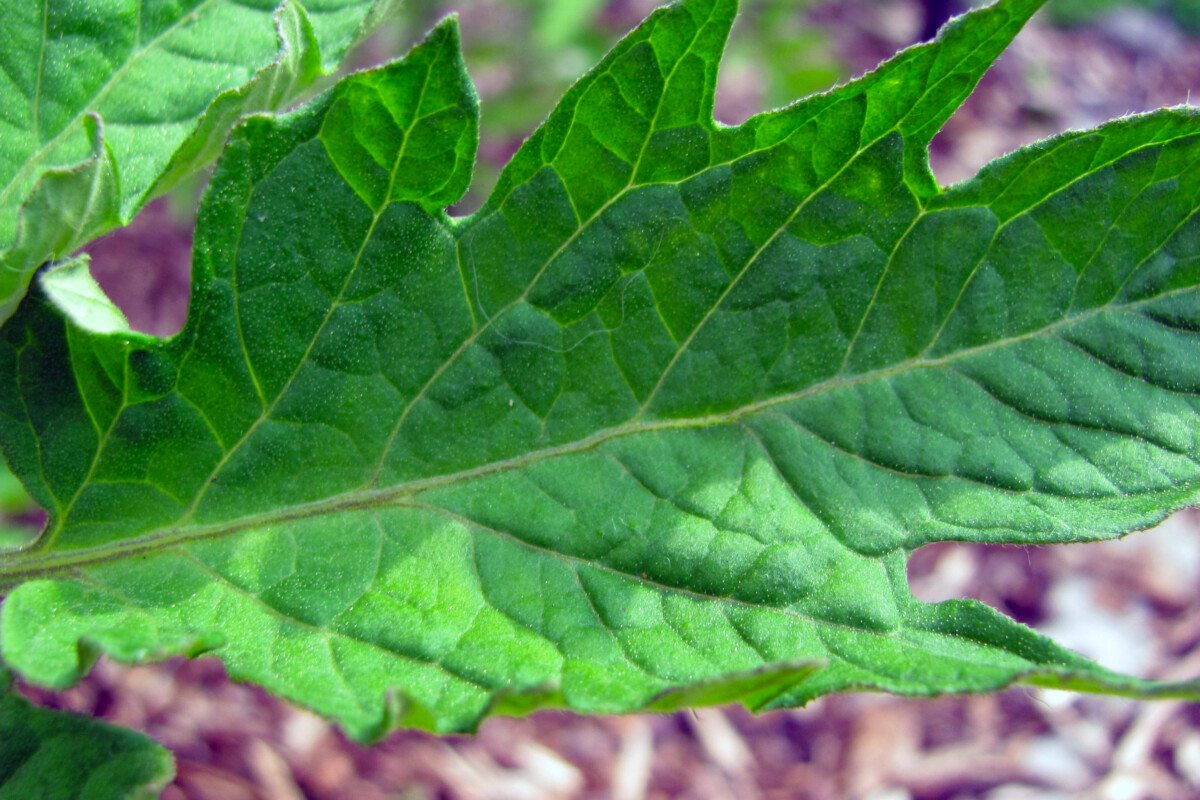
(40, 562)
(35, 562)
(479, 330)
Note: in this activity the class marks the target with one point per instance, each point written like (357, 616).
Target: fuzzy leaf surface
(56, 755)
(660, 424)
(109, 103)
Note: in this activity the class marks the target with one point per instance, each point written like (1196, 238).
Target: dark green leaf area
(53, 755)
(661, 423)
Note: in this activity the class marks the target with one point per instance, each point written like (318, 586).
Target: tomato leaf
(55, 755)
(109, 104)
(660, 424)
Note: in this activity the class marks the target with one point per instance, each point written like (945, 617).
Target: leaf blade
(168, 85)
(54, 754)
(697, 419)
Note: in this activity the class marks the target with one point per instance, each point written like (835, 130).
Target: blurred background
(1134, 605)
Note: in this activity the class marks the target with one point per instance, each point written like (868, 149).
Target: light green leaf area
(13, 498)
(109, 103)
(660, 424)
(56, 755)
(14, 503)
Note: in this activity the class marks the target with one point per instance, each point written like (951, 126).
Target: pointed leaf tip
(407, 131)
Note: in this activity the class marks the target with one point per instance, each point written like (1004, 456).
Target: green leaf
(13, 497)
(110, 103)
(55, 755)
(661, 423)
(15, 503)
(70, 286)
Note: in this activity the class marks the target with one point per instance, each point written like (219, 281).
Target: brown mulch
(1134, 604)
